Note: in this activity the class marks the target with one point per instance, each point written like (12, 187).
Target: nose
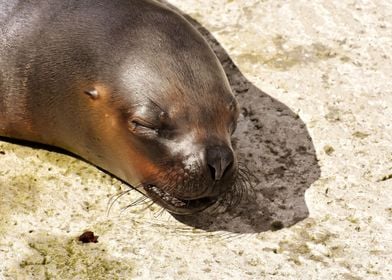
(219, 160)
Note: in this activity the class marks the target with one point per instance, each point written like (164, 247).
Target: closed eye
(142, 127)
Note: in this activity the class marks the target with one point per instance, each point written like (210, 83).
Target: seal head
(131, 87)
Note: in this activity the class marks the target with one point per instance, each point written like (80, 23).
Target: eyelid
(142, 122)
(143, 128)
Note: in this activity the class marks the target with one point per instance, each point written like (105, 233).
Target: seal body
(128, 85)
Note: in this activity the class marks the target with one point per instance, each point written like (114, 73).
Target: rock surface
(314, 80)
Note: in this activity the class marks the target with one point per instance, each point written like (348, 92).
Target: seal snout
(198, 184)
(220, 159)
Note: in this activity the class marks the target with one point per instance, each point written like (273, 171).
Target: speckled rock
(314, 80)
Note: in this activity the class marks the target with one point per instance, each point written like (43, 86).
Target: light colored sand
(327, 66)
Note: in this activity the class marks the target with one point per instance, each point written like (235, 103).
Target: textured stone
(314, 79)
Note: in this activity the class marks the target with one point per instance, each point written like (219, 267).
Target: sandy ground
(314, 79)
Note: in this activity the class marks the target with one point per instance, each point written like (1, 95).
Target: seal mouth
(176, 205)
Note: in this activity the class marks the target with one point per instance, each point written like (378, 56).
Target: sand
(314, 80)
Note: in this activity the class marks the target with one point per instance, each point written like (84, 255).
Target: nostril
(212, 171)
(219, 160)
(227, 168)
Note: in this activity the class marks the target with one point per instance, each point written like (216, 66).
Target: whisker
(240, 190)
(159, 213)
(139, 201)
(115, 198)
(149, 205)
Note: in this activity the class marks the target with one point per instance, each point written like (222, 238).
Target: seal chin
(177, 205)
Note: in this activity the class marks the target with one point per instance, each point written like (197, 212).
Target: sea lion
(128, 85)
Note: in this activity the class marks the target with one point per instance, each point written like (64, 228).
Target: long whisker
(115, 198)
(139, 201)
(159, 213)
(240, 190)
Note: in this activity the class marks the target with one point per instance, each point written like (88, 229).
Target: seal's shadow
(275, 145)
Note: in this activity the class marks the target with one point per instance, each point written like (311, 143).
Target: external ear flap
(93, 93)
